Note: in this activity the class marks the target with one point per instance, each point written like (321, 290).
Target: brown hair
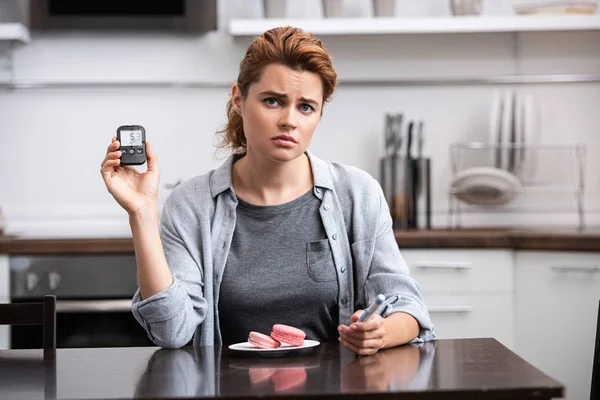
(288, 46)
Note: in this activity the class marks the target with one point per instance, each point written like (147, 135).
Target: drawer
(474, 316)
(462, 271)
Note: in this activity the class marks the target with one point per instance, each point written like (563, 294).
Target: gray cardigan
(197, 224)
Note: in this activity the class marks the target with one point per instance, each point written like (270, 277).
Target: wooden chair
(595, 390)
(42, 313)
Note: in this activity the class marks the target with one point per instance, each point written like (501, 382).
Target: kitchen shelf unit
(521, 159)
(431, 25)
(14, 32)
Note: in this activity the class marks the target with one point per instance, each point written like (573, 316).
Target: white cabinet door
(4, 298)
(469, 292)
(472, 316)
(557, 296)
(461, 271)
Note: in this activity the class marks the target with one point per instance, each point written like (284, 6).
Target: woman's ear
(236, 98)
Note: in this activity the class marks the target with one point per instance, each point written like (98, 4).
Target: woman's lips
(284, 141)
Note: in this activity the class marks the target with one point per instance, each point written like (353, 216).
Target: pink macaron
(287, 379)
(262, 341)
(288, 334)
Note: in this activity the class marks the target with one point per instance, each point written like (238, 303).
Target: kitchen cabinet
(473, 316)
(556, 302)
(4, 298)
(469, 292)
(420, 25)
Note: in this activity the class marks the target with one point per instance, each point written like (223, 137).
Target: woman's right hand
(133, 190)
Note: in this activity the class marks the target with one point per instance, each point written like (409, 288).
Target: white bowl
(485, 186)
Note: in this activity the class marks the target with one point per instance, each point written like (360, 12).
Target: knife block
(406, 184)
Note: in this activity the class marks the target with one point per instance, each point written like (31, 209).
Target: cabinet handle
(575, 268)
(450, 309)
(444, 264)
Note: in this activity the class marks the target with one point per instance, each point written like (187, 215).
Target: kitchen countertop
(517, 239)
(480, 368)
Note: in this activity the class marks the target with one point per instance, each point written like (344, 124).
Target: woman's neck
(266, 182)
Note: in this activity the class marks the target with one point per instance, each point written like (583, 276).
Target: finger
(364, 344)
(361, 335)
(373, 323)
(344, 330)
(113, 155)
(113, 146)
(113, 139)
(357, 350)
(363, 326)
(372, 327)
(356, 315)
(152, 158)
(347, 331)
(109, 165)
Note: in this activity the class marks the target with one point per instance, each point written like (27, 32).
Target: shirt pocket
(319, 260)
(362, 255)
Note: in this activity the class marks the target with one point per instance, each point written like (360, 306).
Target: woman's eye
(271, 101)
(306, 108)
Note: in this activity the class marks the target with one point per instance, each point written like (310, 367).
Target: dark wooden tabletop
(443, 369)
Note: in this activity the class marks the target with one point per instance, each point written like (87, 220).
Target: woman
(275, 235)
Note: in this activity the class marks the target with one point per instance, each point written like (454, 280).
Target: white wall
(53, 140)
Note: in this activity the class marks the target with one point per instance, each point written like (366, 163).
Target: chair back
(595, 390)
(40, 313)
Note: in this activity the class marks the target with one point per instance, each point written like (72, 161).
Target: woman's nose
(288, 119)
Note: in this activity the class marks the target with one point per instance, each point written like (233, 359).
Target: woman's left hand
(363, 338)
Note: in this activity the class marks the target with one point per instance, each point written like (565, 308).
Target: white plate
(485, 186)
(520, 151)
(506, 136)
(531, 135)
(494, 128)
(285, 348)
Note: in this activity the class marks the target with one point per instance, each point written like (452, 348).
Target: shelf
(14, 31)
(383, 26)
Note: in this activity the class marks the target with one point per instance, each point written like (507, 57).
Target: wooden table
(443, 369)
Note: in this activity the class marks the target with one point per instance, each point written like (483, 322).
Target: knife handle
(409, 139)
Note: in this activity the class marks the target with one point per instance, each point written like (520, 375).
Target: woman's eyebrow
(272, 93)
(285, 96)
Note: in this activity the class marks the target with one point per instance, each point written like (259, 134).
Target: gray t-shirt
(279, 270)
